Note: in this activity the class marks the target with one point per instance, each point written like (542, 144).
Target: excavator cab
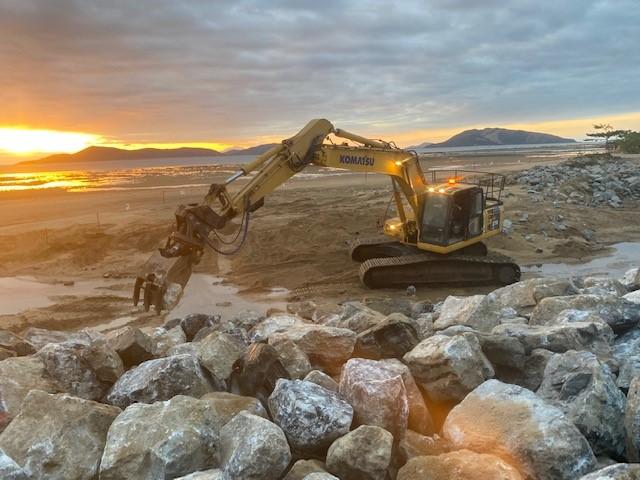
(451, 214)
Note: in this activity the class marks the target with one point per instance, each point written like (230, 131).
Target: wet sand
(298, 241)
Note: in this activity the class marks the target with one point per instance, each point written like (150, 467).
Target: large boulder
(58, 436)
(602, 286)
(163, 440)
(193, 323)
(617, 471)
(160, 379)
(246, 319)
(629, 369)
(312, 417)
(626, 346)
(273, 324)
(586, 391)
(631, 279)
(419, 416)
(362, 454)
(619, 313)
(302, 468)
(389, 305)
(322, 379)
(461, 311)
(383, 393)
(133, 346)
(253, 448)
(356, 317)
(555, 288)
(217, 352)
(182, 348)
(327, 347)
(18, 376)
(164, 339)
(10, 470)
(449, 367)
(633, 297)
(228, 405)
(632, 421)
(86, 370)
(523, 296)
(64, 364)
(15, 343)
(391, 338)
(531, 373)
(459, 465)
(423, 324)
(595, 337)
(503, 350)
(255, 373)
(513, 423)
(293, 358)
(39, 337)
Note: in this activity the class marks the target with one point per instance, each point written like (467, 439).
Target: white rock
(516, 425)
(364, 453)
(449, 367)
(632, 296)
(586, 391)
(312, 417)
(253, 448)
(58, 437)
(163, 440)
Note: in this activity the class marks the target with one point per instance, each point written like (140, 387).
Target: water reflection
(41, 180)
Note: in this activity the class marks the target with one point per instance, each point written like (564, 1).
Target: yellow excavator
(437, 237)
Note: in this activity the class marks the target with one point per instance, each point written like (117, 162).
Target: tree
(605, 131)
(629, 142)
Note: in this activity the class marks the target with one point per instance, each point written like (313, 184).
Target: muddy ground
(298, 241)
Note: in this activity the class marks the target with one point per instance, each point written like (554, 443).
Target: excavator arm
(162, 278)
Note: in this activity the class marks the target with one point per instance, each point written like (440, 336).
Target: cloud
(196, 70)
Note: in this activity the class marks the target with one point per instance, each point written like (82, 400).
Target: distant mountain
(101, 154)
(499, 136)
(257, 150)
(421, 145)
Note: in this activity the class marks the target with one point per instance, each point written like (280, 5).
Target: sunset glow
(25, 141)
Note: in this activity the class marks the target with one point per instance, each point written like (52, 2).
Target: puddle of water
(206, 294)
(18, 294)
(626, 255)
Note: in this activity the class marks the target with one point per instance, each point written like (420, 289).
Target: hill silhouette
(499, 136)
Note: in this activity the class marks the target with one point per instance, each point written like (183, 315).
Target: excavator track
(379, 247)
(434, 269)
(364, 249)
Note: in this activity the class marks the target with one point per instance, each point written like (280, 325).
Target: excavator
(436, 239)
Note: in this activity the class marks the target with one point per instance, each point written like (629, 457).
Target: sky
(239, 73)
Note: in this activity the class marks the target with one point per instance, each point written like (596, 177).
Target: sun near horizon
(22, 142)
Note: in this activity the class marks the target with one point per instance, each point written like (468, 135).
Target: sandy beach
(73, 255)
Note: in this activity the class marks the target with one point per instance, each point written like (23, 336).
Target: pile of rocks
(540, 379)
(598, 180)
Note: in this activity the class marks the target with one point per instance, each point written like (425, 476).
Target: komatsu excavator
(437, 237)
